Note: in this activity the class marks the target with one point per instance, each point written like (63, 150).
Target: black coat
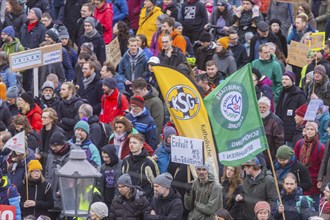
(5, 116)
(240, 55)
(17, 21)
(33, 38)
(93, 93)
(175, 60)
(285, 109)
(80, 29)
(173, 9)
(43, 5)
(271, 38)
(98, 43)
(229, 202)
(203, 55)
(72, 14)
(301, 172)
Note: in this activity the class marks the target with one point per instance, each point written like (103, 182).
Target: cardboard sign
(7, 212)
(35, 57)
(187, 150)
(113, 52)
(297, 54)
(312, 109)
(287, 1)
(317, 41)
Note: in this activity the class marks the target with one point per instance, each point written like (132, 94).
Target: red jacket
(104, 15)
(34, 118)
(109, 106)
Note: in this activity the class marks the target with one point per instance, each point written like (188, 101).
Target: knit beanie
(64, 35)
(109, 82)
(284, 152)
(313, 125)
(168, 130)
(34, 165)
(224, 42)
(301, 111)
(203, 166)
(125, 180)
(9, 30)
(48, 84)
(82, 125)
(264, 100)
(27, 97)
(88, 46)
(205, 37)
(177, 24)
(38, 12)
(100, 209)
(320, 69)
(53, 34)
(260, 206)
(90, 20)
(57, 139)
(164, 180)
(291, 75)
(138, 101)
(275, 21)
(12, 92)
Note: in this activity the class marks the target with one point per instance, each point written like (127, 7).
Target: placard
(286, 1)
(7, 212)
(312, 109)
(317, 41)
(187, 150)
(113, 52)
(297, 54)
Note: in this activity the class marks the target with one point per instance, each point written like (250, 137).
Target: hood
(152, 92)
(174, 194)
(110, 149)
(93, 119)
(265, 81)
(140, 51)
(295, 195)
(73, 99)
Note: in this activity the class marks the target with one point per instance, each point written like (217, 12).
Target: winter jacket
(93, 93)
(17, 21)
(8, 77)
(67, 65)
(80, 29)
(177, 41)
(105, 15)
(298, 36)
(41, 193)
(262, 188)
(138, 204)
(5, 116)
(315, 163)
(290, 99)
(134, 8)
(34, 118)
(130, 67)
(33, 140)
(320, 89)
(163, 158)
(272, 69)
(177, 57)
(56, 68)
(169, 207)
(110, 106)
(33, 38)
(13, 109)
(240, 55)
(256, 41)
(92, 153)
(280, 11)
(142, 170)
(204, 54)
(225, 63)
(52, 103)
(229, 203)
(13, 47)
(43, 5)
(194, 16)
(323, 120)
(292, 210)
(67, 113)
(147, 22)
(10, 196)
(145, 125)
(204, 199)
(221, 20)
(98, 43)
(283, 42)
(120, 10)
(324, 174)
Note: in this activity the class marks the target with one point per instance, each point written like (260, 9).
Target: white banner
(187, 150)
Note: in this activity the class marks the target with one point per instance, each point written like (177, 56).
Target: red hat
(260, 206)
(138, 101)
(301, 111)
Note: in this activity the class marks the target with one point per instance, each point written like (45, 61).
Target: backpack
(106, 132)
(309, 201)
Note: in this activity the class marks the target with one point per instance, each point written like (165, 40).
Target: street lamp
(77, 179)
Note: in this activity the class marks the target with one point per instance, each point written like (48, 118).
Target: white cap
(154, 60)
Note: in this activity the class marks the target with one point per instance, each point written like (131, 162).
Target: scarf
(306, 150)
(91, 34)
(167, 147)
(89, 80)
(282, 171)
(30, 26)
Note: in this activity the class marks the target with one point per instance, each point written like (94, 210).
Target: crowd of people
(118, 116)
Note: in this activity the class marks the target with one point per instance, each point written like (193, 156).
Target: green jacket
(203, 200)
(272, 69)
(13, 47)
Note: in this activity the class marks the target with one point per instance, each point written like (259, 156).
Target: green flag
(235, 119)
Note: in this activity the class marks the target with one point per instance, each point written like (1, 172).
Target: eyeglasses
(36, 171)
(44, 20)
(134, 106)
(165, 42)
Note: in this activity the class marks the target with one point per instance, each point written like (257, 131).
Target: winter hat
(203, 166)
(57, 139)
(313, 125)
(320, 69)
(164, 180)
(53, 34)
(125, 180)
(256, 72)
(64, 35)
(12, 92)
(34, 165)
(248, 36)
(252, 162)
(301, 111)
(110, 149)
(48, 84)
(38, 12)
(291, 75)
(82, 125)
(109, 82)
(263, 26)
(90, 20)
(222, 3)
(261, 205)
(27, 97)
(224, 42)
(153, 1)
(177, 24)
(154, 60)
(161, 17)
(205, 37)
(168, 130)
(88, 46)
(9, 30)
(275, 21)
(100, 209)
(284, 152)
(310, 74)
(264, 100)
(138, 101)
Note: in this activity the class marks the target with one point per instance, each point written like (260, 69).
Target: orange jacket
(177, 40)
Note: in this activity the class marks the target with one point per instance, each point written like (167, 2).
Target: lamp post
(77, 179)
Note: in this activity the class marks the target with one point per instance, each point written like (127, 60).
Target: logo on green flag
(235, 119)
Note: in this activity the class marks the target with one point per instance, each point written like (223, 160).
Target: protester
(31, 110)
(324, 203)
(11, 96)
(99, 211)
(223, 58)
(262, 210)
(223, 214)
(48, 98)
(323, 175)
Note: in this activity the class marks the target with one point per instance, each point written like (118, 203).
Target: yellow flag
(187, 110)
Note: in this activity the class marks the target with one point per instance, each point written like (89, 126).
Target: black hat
(109, 82)
(262, 26)
(275, 20)
(205, 37)
(27, 97)
(53, 34)
(57, 139)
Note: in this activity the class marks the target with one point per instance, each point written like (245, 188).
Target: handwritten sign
(317, 41)
(113, 52)
(7, 212)
(312, 109)
(297, 54)
(187, 150)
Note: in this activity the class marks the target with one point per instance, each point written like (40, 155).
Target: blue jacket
(119, 83)
(296, 36)
(10, 196)
(67, 65)
(145, 125)
(323, 126)
(164, 158)
(8, 77)
(120, 10)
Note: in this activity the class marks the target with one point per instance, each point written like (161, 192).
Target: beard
(48, 97)
(265, 114)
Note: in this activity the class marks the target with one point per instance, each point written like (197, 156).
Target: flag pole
(26, 177)
(275, 180)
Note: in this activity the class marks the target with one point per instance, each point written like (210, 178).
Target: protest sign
(317, 41)
(17, 143)
(187, 150)
(312, 109)
(113, 52)
(297, 54)
(7, 212)
(287, 1)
